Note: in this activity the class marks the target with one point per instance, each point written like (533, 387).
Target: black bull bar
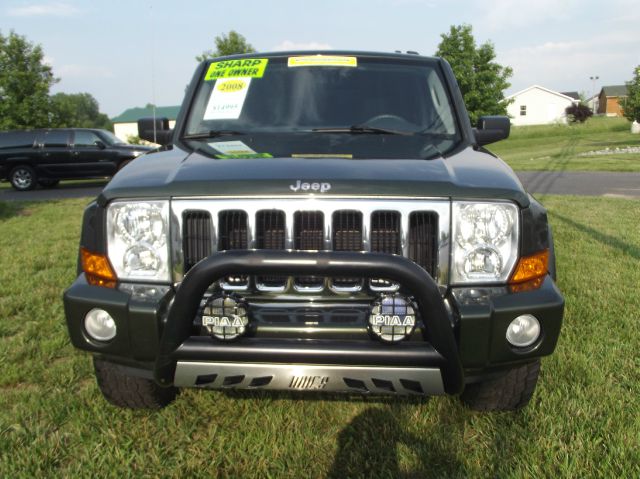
(297, 263)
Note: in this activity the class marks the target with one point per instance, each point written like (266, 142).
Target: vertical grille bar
(423, 236)
(308, 230)
(233, 234)
(196, 237)
(271, 234)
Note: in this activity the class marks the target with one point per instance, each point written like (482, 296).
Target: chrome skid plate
(304, 377)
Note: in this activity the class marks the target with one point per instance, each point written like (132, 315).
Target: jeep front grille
(417, 229)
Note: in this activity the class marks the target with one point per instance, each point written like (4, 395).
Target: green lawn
(584, 419)
(557, 147)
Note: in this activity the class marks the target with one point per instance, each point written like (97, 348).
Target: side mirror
(100, 144)
(155, 130)
(491, 129)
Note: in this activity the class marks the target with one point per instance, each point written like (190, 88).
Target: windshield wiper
(364, 129)
(212, 134)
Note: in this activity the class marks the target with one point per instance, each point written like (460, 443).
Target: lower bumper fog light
(225, 317)
(99, 325)
(392, 318)
(523, 331)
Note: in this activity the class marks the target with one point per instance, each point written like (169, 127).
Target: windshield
(333, 106)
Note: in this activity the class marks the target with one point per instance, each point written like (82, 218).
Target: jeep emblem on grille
(303, 186)
(309, 382)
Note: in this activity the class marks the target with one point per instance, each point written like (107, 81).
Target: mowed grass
(557, 147)
(584, 419)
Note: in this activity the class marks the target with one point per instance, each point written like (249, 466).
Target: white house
(537, 105)
(126, 124)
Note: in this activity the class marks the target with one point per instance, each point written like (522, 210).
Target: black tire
(508, 392)
(48, 183)
(132, 392)
(23, 178)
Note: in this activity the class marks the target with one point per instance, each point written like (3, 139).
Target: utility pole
(593, 91)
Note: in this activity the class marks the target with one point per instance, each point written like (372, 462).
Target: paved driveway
(625, 185)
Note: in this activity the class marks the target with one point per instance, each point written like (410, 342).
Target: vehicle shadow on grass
(605, 239)
(372, 444)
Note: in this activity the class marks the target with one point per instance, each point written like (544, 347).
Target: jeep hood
(177, 173)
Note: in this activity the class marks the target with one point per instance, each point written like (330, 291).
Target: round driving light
(225, 317)
(392, 318)
(99, 325)
(523, 331)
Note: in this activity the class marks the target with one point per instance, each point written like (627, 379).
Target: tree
(227, 45)
(25, 81)
(482, 81)
(578, 113)
(77, 110)
(631, 104)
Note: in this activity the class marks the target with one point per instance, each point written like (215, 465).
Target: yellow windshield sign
(247, 68)
(323, 61)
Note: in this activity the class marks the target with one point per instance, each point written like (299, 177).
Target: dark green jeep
(318, 222)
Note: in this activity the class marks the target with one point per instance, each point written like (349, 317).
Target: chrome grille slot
(271, 234)
(385, 238)
(308, 230)
(417, 228)
(347, 236)
(423, 234)
(233, 234)
(197, 237)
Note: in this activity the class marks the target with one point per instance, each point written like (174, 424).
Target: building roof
(543, 89)
(132, 115)
(572, 94)
(615, 90)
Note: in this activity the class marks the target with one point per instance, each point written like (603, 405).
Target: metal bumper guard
(175, 342)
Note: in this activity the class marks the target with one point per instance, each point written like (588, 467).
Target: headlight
(137, 240)
(485, 241)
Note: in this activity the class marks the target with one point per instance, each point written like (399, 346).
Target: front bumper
(466, 340)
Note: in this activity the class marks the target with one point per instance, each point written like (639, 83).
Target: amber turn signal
(97, 269)
(531, 267)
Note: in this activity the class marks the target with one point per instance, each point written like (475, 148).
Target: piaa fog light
(523, 331)
(392, 318)
(225, 317)
(99, 325)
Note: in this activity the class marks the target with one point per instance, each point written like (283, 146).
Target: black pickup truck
(29, 158)
(318, 221)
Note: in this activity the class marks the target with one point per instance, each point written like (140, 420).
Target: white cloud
(289, 45)
(54, 9)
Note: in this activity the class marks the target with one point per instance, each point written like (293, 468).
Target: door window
(85, 138)
(56, 138)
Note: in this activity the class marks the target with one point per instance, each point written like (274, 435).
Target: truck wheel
(23, 178)
(509, 392)
(128, 391)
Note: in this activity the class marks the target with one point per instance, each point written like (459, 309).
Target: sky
(130, 53)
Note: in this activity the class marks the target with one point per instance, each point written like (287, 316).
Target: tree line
(26, 80)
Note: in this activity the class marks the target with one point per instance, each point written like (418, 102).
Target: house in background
(126, 124)
(537, 105)
(610, 98)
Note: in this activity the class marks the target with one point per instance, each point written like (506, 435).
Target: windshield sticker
(238, 157)
(322, 155)
(323, 61)
(231, 148)
(227, 99)
(250, 68)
